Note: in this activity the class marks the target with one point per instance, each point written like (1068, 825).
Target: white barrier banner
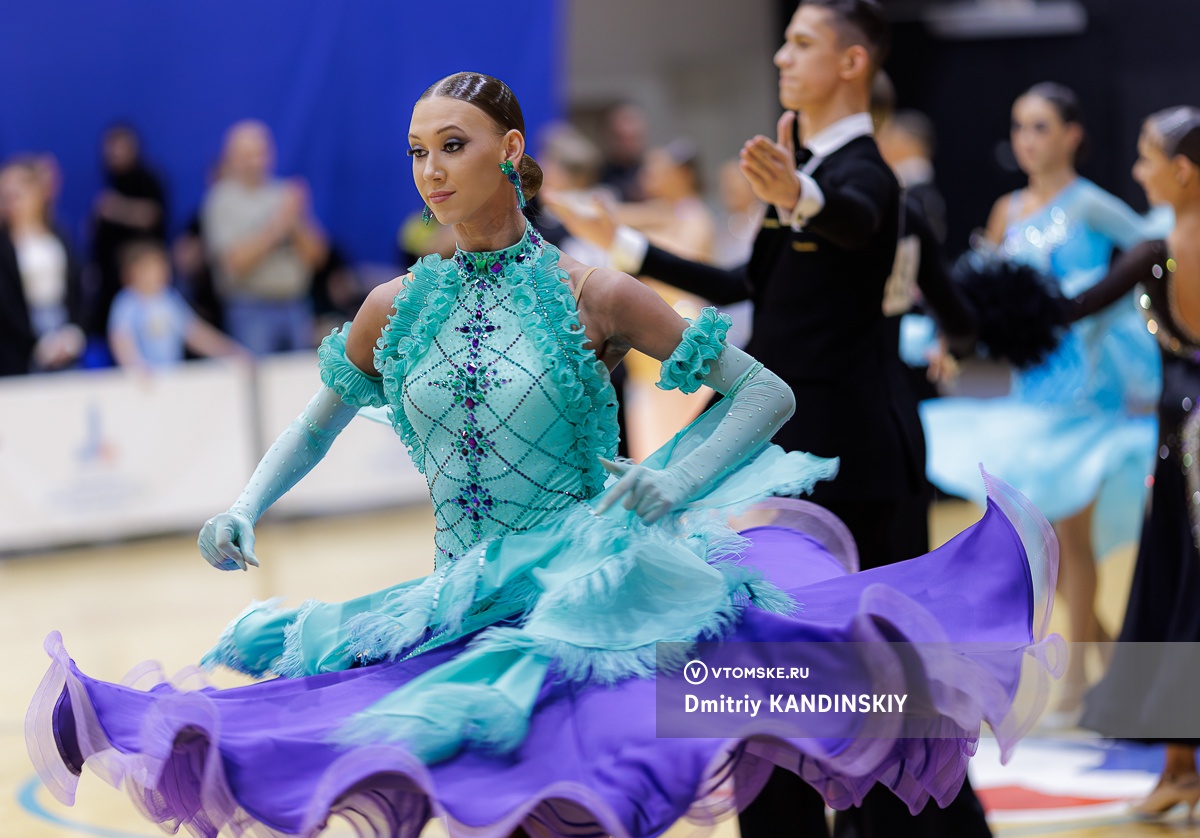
(367, 467)
(104, 454)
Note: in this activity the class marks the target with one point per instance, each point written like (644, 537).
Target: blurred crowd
(253, 272)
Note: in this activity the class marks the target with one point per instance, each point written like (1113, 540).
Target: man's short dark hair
(859, 22)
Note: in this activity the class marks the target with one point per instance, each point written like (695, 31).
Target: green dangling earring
(426, 215)
(514, 178)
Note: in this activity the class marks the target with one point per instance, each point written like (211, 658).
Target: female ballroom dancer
(1145, 695)
(1077, 428)
(511, 689)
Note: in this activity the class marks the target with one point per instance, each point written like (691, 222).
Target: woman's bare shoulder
(998, 218)
(372, 317)
(595, 280)
(382, 298)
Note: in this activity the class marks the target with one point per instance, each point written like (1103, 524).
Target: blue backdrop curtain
(334, 79)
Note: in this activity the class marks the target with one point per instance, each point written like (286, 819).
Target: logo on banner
(96, 446)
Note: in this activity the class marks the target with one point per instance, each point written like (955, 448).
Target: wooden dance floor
(117, 605)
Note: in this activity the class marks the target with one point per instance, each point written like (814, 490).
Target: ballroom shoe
(1171, 790)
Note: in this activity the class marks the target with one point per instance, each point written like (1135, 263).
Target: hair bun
(531, 176)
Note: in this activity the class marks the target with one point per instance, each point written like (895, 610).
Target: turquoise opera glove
(759, 403)
(227, 540)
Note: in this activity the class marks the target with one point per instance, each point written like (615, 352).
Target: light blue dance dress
(512, 686)
(1080, 426)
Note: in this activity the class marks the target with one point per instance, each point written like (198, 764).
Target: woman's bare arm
(368, 324)
(998, 220)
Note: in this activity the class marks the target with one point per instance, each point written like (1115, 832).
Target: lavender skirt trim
(257, 760)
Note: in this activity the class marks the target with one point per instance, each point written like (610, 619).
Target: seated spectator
(264, 245)
(41, 294)
(150, 324)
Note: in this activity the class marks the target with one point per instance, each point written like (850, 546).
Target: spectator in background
(264, 245)
(672, 216)
(906, 141)
(741, 216)
(50, 179)
(625, 133)
(571, 165)
(193, 268)
(41, 294)
(571, 169)
(418, 237)
(131, 206)
(337, 292)
(150, 323)
(195, 273)
(918, 300)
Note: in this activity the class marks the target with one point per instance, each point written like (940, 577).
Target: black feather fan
(1020, 314)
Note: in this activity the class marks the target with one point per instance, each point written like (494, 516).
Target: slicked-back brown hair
(497, 100)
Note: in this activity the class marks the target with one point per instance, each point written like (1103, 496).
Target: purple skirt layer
(256, 760)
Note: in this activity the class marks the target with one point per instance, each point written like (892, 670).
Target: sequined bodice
(1103, 362)
(1057, 242)
(492, 402)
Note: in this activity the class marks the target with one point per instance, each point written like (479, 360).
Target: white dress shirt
(822, 144)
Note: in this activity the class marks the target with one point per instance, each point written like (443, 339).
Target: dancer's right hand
(227, 541)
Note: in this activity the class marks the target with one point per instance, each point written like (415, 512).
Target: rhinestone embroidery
(473, 267)
(486, 399)
(470, 385)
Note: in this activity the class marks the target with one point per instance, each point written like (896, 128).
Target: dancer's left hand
(771, 166)
(651, 493)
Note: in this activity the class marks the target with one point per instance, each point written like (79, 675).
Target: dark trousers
(885, 532)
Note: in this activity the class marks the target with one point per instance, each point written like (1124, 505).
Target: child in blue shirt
(150, 324)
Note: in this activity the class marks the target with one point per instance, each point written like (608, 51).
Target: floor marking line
(27, 799)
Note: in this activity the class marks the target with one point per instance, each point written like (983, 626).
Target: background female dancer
(1145, 692)
(511, 687)
(1077, 428)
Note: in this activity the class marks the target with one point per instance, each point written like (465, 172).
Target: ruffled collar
(491, 264)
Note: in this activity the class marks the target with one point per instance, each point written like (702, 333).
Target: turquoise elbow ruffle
(701, 344)
(339, 374)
